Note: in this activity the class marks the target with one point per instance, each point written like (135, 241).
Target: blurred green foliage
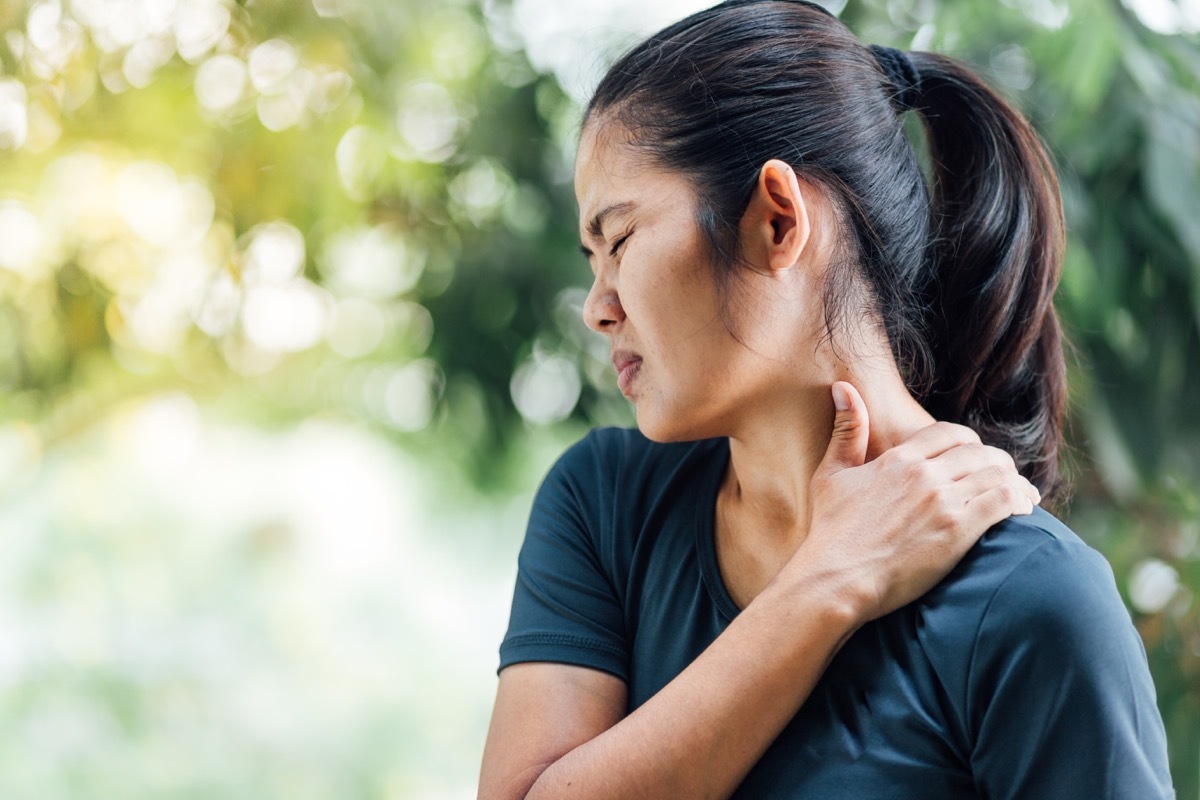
(361, 210)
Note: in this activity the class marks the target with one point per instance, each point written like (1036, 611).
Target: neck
(775, 451)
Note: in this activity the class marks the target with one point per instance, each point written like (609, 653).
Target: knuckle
(945, 427)
(1009, 496)
(960, 432)
(942, 496)
(946, 520)
(890, 458)
(1004, 458)
(979, 453)
(916, 470)
(996, 475)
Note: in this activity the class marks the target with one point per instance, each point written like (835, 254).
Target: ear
(776, 226)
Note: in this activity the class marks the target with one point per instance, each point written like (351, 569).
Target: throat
(750, 552)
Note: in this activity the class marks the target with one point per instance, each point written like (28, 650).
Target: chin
(662, 426)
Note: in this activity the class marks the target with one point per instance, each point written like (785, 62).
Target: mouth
(628, 367)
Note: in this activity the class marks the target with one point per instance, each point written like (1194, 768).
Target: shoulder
(1037, 566)
(1052, 601)
(595, 508)
(1030, 599)
(627, 448)
(608, 459)
(1050, 693)
(605, 486)
(1030, 588)
(1050, 576)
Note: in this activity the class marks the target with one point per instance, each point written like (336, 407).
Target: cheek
(668, 293)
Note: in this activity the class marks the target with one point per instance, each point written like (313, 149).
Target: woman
(722, 603)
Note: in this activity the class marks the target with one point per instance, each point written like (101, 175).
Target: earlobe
(780, 214)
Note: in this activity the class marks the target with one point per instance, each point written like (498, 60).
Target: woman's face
(654, 295)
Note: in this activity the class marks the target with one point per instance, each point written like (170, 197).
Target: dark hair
(962, 282)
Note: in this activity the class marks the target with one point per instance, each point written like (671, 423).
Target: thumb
(851, 426)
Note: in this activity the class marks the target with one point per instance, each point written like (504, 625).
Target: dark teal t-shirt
(1019, 676)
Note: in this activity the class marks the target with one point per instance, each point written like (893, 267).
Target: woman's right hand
(884, 532)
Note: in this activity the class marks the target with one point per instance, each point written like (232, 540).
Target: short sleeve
(1062, 704)
(565, 608)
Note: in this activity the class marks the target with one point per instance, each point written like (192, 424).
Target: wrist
(823, 595)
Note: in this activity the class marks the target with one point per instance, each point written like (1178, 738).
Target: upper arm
(542, 712)
(1063, 704)
(566, 608)
(564, 656)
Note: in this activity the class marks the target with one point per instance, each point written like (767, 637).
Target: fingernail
(841, 398)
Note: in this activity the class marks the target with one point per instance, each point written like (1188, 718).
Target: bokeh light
(545, 388)
(14, 116)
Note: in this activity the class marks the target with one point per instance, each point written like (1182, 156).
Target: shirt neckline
(706, 533)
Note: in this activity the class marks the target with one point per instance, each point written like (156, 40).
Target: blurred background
(289, 332)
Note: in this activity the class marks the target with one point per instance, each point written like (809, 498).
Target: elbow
(518, 785)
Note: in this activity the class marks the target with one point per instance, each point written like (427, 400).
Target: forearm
(701, 734)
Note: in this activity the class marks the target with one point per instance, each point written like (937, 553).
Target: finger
(961, 460)
(933, 440)
(1017, 488)
(994, 506)
(851, 429)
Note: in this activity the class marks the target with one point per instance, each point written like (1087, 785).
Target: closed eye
(618, 243)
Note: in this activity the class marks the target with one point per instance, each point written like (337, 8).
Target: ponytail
(997, 248)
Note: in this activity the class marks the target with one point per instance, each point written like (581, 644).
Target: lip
(628, 364)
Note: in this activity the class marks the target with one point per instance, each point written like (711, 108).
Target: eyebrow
(595, 226)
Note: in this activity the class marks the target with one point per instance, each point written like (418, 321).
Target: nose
(602, 309)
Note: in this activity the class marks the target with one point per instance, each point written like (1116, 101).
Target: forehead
(609, 169)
